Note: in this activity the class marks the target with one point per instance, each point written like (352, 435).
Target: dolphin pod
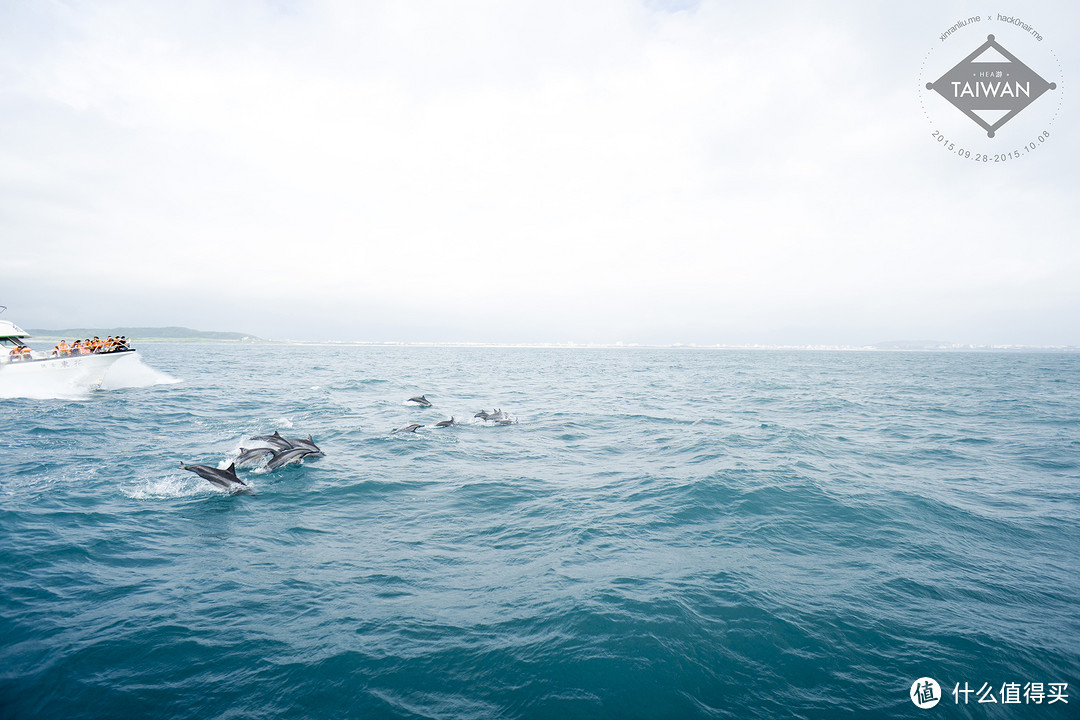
(277, 451)
(278, 446)
(498, 416)
(281, 452)
(286, 450)
(284, 443)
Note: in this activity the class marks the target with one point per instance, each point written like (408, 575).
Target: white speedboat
(82, 369)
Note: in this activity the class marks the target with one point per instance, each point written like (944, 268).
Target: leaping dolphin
(408, 428)
(309, 444)
(420, 400)
(247, 455)
(276, 440)
(222, 478)
(284, 457)
(446, 423)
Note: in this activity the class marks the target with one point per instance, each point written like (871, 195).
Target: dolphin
(420, 400)
(276, 440)
(247, 456)
(483, 415)
(284, 457)
(446, 423)
(408, 428)
(222, 478)
(309, 444)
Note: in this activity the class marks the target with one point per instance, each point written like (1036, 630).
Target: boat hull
(85, 370)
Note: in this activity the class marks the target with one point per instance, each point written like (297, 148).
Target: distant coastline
(146, 334)
(183, 334)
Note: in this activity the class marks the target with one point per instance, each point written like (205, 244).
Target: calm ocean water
(664, 534)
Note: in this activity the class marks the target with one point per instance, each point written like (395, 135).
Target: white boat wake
(132, 372)
(126, 372)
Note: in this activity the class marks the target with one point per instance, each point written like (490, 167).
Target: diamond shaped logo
(991, 85)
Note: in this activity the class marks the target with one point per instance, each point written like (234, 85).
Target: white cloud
(606, 171)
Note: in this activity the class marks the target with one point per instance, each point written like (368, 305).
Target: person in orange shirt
(25, 353)
(62, 349)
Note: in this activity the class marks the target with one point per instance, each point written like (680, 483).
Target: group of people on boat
(90, 347)
(22, 353)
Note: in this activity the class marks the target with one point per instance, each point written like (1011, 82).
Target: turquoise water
(664, 534)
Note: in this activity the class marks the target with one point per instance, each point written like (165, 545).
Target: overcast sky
(602, 171)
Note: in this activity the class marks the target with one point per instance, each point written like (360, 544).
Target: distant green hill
(136, 334)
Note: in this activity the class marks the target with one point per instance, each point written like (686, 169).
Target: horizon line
(875, 347)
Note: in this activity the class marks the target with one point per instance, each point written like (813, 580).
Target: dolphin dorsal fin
(232, 469)
(277, 434)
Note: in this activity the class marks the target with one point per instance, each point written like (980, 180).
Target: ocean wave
(823, 537)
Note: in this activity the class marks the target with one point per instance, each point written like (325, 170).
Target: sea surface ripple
(663, 534)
